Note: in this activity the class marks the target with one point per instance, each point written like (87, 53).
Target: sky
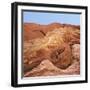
(47, 18)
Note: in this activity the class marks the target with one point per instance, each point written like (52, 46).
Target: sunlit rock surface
(50, 50)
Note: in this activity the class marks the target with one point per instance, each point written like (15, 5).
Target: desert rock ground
(50, 50)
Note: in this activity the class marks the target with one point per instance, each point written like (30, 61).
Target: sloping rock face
(76, 51)
(45, 68)
(54, 52)
(32, 30)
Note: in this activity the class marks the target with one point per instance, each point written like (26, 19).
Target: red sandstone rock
(48, 49)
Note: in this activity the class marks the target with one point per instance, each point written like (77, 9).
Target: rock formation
(52, 51)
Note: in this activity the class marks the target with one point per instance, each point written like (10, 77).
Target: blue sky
(47, 18)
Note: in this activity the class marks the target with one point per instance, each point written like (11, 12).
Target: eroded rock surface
(76, 51)
(55, 52)
(45, 68)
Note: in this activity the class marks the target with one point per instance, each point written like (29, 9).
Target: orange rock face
(51, 50)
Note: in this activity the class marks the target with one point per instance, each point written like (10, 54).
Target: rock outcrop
(55, 51)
